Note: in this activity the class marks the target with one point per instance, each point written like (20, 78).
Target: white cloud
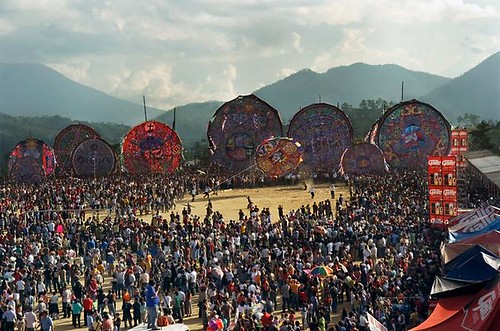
(5, 27)
(220, 85)
(285, 72)
(296, 42)
(196, 50)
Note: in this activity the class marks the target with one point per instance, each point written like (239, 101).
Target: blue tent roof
(458, 236)
(476, 264)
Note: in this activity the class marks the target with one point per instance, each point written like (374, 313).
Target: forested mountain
(37, 90)
(476, 92)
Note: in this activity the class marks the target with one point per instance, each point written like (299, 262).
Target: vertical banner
(449, 170)
(442, 179)
(435, 180)
(450, 194)
(459, 145)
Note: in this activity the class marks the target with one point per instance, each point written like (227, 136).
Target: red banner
(448, 163)
(449, 193)
(442, 179)
(464, 138)
(434, 171)
(459, 145)
(435, 193)
(449, 209)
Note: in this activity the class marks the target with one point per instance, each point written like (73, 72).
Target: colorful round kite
(67, 140)
(363, 158)
(370, 136)
(31, 161)
(278, 157)
(238, 127)
(324, 131)
(410, 131)
(93, 158)
(151, 147)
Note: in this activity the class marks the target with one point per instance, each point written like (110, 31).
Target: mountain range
(37, 90)
(30, 89)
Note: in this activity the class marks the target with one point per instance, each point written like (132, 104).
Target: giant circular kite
(410, 131)
(151, 147)
(31, 161)
(278, 157)
(363, 158)
(238, 127)
(370, 136)
(67, 140)
(93, 158)
(324, 131)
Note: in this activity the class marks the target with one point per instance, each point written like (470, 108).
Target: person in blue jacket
(152, 302)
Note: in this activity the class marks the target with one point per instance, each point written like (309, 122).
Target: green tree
(469, 120)
(363, 104)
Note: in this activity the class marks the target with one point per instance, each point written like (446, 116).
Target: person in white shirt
(30, 319)
(168, 301)
(66, 302)
(41, 287)
(21, 286)
(144, 279)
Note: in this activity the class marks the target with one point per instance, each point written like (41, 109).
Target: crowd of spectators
(129, 264)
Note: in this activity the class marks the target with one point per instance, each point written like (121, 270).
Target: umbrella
(322, 271)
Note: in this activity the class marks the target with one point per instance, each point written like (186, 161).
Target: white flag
(374, 324)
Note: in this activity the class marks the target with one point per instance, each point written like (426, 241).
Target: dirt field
(229, 202)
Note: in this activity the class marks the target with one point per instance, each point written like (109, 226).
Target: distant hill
(350, 84)
(191, 120)
(37, 90)
(476, 92)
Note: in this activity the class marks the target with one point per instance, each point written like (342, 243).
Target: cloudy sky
(182, 51)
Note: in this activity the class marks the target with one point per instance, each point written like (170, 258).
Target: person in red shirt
(267, 320)
(88, 304)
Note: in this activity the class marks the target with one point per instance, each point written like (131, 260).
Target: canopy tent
(441, 318)
(454, 236)
(489, 240)
(479, 312)
(474, 265)
(474, 220)
(443, 287)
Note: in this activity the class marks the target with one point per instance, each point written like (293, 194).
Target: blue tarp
(476, 264)
(457, 236)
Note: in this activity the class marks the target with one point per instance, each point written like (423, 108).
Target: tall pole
(402, 90)
(145, 111)
(173, 124)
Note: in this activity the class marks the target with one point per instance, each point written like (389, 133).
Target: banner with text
(459, 145)
(442, 180)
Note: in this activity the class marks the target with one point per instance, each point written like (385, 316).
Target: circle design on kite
(239, 147)
(93, 158)
(325, 132)
(277, 157)
(31, 161)
(363, 158)
(67, 140)
(410, 131)
(151, 147)
(238, 127)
